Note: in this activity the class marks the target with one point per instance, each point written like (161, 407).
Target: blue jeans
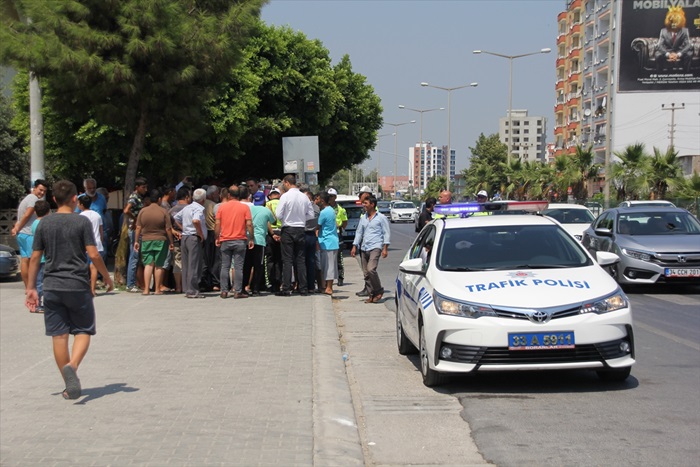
(232, 249)
(133, 262)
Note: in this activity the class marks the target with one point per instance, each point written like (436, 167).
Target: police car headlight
(636, 254)
(616, 301)
(446, 306)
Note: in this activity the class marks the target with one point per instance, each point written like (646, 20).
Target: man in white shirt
(293, 210)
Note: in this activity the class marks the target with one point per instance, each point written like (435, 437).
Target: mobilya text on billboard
(659, 45)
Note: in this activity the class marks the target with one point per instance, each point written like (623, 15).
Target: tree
(629, 175)
(14, 162)
(435, 185)
(665, 171)
(285, 86)
(141, 67)
(487, 166)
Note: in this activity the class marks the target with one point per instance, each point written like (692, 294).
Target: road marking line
(678, 340)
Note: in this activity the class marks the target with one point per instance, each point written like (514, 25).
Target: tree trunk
(132, 166)
(122, 256)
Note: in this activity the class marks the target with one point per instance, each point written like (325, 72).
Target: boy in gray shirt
(64, 238)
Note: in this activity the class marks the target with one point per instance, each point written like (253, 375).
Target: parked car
(655, 244)
(384, 207)
(402, 211)
(354, 210)
(9, 262)
(509, 293)
(646, 202)
(575, 218)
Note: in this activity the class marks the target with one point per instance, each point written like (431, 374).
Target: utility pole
(673, 109)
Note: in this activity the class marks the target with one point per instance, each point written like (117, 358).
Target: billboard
(659, 45)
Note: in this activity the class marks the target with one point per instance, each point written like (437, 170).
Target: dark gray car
(655, 244)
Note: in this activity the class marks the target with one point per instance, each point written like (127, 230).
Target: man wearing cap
(365, 192)
(481, 197)
(341, 220)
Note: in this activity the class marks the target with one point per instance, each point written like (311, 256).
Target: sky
(397, 44)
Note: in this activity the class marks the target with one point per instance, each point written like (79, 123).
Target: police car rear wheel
(430, 377)
(405, 346)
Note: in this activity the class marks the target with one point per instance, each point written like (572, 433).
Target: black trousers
(293, 244)
(212, 263)
(254, 261)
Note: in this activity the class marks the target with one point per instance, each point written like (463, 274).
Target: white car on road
(402, 211)
(509, 292)
(575, 218)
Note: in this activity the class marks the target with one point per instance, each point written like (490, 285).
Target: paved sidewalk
(172, 381)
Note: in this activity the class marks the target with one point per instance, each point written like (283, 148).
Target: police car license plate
(541, 340)
(682, 272)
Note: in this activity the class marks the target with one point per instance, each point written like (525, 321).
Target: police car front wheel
(431, 377)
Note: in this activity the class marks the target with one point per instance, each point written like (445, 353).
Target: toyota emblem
(539, 316)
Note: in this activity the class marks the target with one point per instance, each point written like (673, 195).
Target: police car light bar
(470, 208)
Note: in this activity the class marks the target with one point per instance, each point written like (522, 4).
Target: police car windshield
(509, 247)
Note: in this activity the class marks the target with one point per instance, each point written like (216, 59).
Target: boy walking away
(41, 209)
(84, 203)
(64, 238)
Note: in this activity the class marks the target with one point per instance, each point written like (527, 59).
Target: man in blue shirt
(372, 238)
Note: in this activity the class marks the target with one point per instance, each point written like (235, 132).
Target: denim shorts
(69, 312)
(25, 242)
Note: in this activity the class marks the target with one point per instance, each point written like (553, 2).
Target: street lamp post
(449, 121)
(510, 87)
(396, 133)
(421, 112)
(379, 154)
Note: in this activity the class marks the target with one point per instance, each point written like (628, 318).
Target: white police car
(509, 292)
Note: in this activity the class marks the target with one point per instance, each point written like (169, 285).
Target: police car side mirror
(412, 266)
(601, 232)
(605, 258)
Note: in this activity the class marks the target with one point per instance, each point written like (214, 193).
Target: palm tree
(665, 170)
(587, 170)
(629, 175)
(566, 174)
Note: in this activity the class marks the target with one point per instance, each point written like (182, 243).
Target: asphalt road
(573, 418)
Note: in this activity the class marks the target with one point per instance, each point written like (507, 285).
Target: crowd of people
(238, 241)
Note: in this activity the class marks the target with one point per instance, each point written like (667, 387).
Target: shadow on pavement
(96, 393)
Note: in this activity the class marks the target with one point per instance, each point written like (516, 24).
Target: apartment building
(527, 139)
(610, 89)
(428, 162)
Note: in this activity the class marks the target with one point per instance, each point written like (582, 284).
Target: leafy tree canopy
(286, 86)
(142, 67)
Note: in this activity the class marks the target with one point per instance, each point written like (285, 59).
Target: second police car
(509, 292)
